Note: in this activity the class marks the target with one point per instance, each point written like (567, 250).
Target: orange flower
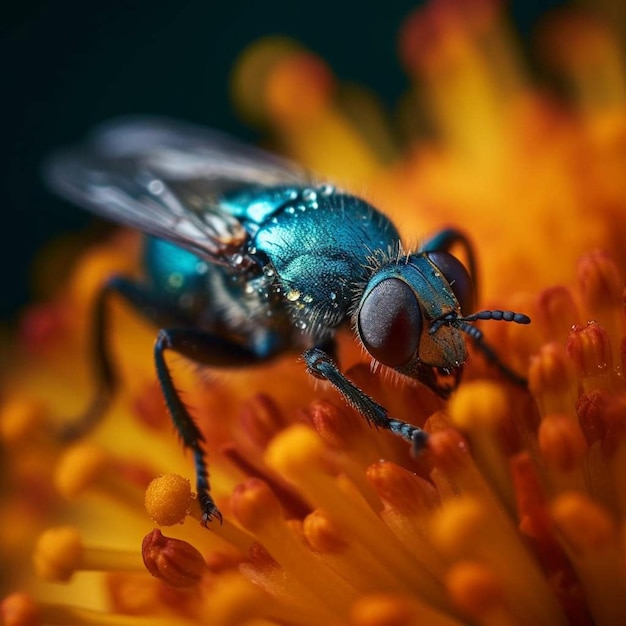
(514, 514)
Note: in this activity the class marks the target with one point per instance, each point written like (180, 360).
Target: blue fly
(247, 257)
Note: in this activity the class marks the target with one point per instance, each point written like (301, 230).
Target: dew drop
(293, 295)
(156, 187)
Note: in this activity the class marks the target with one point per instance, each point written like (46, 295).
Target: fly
(247, 257)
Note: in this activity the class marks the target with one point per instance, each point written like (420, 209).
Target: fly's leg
(320, 365)
(151, 306)
(194, 344)
(206, 349)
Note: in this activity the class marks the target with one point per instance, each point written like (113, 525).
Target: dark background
(72, 63)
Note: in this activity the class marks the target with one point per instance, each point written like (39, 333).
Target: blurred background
(71, 64)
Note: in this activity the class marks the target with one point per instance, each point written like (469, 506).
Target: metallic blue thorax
(312, 248)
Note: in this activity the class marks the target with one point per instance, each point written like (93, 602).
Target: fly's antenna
(464, 325)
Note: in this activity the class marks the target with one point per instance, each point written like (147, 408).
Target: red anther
(173, 561)
(590, 350)
(556, 312)
(591, 410)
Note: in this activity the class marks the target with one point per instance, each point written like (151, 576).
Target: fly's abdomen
(176, 274)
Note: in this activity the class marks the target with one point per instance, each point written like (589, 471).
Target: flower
(515, 512)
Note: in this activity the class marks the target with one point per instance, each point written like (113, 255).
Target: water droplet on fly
(308, 299)
(293, 295)
(301, 324)
(327, 190)
(268, 270)
(308, 195)
(156, 187)
(332, 295)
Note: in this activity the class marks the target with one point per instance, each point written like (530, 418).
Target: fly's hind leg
(146, 303)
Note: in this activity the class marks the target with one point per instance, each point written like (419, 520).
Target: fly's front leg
(320, 365)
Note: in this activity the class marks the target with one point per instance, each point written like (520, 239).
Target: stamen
(351, 560)
(557, 313)
(235, 600)
(60, 553)
(465, 530)
(479, 409)
(394, 610)
(289, 498)
(169, 501)
(344, 430)
(601, 287)
(591, 539)
(477, 591)
(261, 419)
(19, 609)
(536, 525)
(590, 350)
(175, 562)
(259, 512)
(88, 467)
(563, 447)
(552, 380)
(300, 455)
(409, 503)
(591, 408)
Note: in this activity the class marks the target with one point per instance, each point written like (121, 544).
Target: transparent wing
(166, 179)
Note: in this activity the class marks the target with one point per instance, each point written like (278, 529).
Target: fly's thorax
(318, 245)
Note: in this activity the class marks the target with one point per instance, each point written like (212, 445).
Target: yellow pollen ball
(59, 553)
(168, 499)
(79, 468)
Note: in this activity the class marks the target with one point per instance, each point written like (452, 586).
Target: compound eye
(458, 278)
(390, 322)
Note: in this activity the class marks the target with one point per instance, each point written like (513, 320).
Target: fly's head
(407, 318)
